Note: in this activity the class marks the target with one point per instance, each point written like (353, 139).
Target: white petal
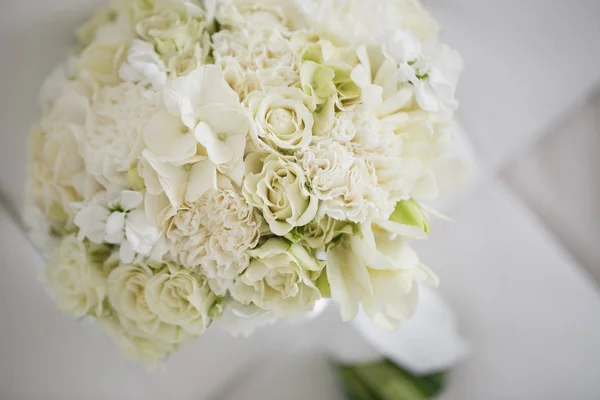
(202, 178)
(126, 253)
(348, 279)
(130, 199)
(163, 135)
(372, 96)
(140, 233)
(219, 151)
(115, 228)
(174, 180)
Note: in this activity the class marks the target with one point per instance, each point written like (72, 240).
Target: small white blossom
(115, 217)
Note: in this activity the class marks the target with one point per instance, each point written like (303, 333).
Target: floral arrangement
(239, 161)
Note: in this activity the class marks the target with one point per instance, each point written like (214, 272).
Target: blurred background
(520, 266)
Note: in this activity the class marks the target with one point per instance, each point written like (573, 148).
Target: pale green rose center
(282, 122)
(284, 281)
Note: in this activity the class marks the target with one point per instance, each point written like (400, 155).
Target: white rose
(281, 120)
(319, 234)
(378, 270)
(345, 184)
(280, 278)
(127, 295)
(279, 188)
(76, 279)
(112, 141)
(183, 299)
(148, 352)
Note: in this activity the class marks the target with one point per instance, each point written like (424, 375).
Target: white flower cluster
(238, 161)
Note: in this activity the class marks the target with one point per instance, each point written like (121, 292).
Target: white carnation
(112, 141)
(256, 60)
(345, 184)
(382, 150)
(213, 235)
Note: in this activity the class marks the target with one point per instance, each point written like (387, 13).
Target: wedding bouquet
(239, 161)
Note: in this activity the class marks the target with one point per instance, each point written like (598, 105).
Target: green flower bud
(409, 212)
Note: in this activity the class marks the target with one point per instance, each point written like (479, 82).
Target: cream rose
(281, 120)
(280, 277)
(279, 188)
(76, 279)
(182, 299)
(319, 234)
(126, 291)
